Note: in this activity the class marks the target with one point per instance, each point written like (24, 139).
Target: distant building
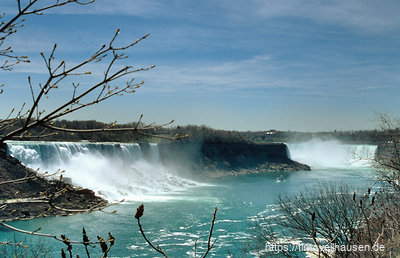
(271, 132)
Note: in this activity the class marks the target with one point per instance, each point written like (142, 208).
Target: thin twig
(209, 245)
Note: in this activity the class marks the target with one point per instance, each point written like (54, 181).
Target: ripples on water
(181, 214)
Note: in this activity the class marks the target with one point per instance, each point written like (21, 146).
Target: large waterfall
(114, 170)
(332, 154)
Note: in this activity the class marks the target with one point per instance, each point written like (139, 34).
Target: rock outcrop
(222, 159)
(27, 199)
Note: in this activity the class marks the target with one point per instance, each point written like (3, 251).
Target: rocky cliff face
(220, 159)
(27, 199)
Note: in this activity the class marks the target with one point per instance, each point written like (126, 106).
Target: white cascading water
(332, 154)
(114, 170)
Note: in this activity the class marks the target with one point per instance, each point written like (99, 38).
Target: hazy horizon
(232, 65)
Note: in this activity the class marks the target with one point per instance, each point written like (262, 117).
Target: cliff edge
(218, 159)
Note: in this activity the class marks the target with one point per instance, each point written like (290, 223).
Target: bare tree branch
(209, 245)
(31, 177)
(35, 233)
(11, 26)
(105, 91)
(139, 213)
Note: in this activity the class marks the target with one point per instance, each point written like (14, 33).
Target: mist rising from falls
(332, 154)
(114, 170)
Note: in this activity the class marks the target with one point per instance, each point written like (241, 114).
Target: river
(178, 210)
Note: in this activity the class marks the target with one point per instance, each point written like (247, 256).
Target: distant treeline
(82, 125)
(196, 133)
(201, 134)
(355, 137)
(206, 134)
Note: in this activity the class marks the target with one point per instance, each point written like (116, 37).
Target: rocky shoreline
(268, 167)
(35, 196)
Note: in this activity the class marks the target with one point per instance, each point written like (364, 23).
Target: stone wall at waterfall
(220, 159)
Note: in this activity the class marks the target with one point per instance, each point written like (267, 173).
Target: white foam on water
(114, 170)
(332, 154)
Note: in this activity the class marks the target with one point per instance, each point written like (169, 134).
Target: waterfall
(113, 170)
(332, 154)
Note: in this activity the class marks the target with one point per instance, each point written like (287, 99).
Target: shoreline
(35, 196)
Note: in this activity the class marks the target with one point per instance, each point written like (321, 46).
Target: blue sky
(241, 65)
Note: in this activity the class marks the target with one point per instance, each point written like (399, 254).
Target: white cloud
(141, 8)
(360, 14)
(263, 74)
(256, 72)
(368, 15)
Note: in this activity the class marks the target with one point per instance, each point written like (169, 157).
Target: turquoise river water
(178, 211)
